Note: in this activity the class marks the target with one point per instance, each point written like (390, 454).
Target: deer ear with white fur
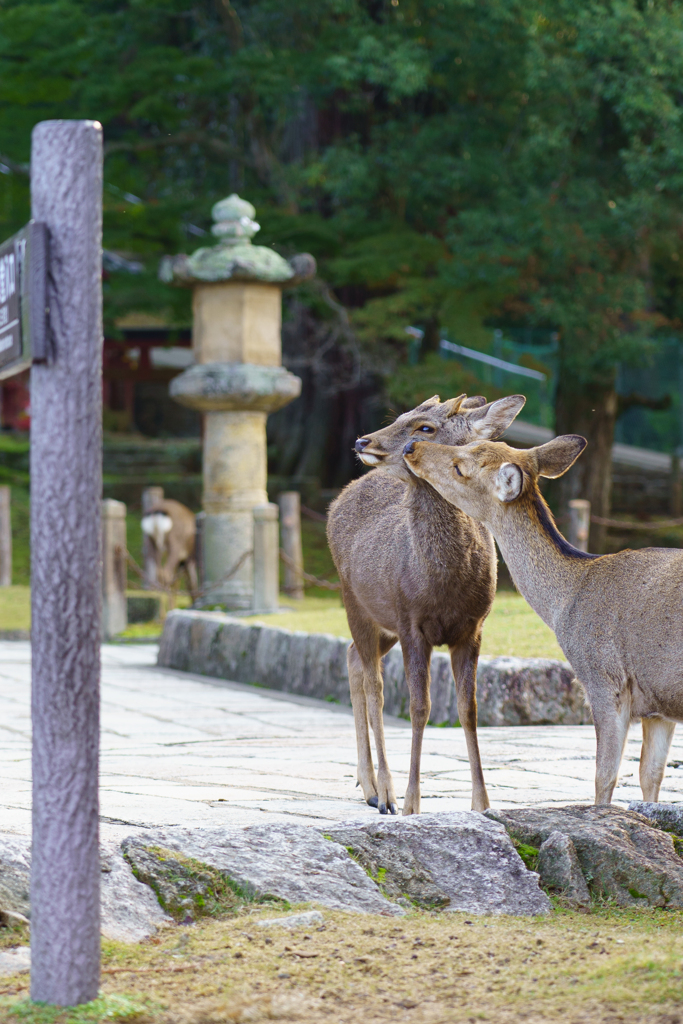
(554, 458)
(509, 482)
(491, 420)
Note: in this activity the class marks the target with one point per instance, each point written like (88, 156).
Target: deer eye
(457, 468)
(426, 429)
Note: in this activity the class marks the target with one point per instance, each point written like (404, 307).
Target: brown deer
(172, 530)
(414, 569)
(618, 618)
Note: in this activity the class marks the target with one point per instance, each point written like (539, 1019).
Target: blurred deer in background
(415, 569)
(172, 530)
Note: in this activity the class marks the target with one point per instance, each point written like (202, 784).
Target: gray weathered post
(5, 536)
(290, 528)
(579, 523)
(66, 596)
(114, 568)
(266, 558)
(151, 496)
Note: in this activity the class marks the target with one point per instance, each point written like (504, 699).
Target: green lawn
(511, 628)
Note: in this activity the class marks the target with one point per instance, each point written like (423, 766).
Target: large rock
(560, 869)
(621, 854)
(291, 862)
(668, 817)
(15, 872)
(129, 910)
(511, 691)
(456, 861)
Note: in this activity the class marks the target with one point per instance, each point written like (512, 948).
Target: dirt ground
(603, 965)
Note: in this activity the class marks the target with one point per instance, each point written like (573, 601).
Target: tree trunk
(591, 411)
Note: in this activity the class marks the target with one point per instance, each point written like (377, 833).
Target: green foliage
(524, 158)
(529, 854)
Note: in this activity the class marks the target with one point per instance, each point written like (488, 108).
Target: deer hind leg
(611, 730)
(657, 736)
(464, 658)
(416, 656)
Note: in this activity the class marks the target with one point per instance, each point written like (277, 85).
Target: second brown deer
(414, 569)
(618, 618)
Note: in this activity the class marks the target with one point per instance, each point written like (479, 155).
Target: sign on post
(23, 299)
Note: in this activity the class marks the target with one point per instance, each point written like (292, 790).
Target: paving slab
(180, 750)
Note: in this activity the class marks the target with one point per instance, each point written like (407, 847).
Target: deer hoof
(373, 801)
(382, 808)
(393, 808)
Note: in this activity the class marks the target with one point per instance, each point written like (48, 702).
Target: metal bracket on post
(266, 558)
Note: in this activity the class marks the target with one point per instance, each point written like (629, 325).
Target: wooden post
(290, 529)
(66, 588)
(266, 558)
(151, 496)
(579, 523)
(676, 497)
(5, 536)
(114, 568)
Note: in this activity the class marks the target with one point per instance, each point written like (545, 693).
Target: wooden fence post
(66, 588)
(151, 496)
(290, 528)
(114, 568)
(579, 523)
(266, 558)
(5, 536)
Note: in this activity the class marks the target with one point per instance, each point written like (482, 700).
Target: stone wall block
(326, 669)
(236, 652)
(442, 691)
(511, 691)
(396, 695)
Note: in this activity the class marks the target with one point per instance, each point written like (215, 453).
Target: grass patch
(592, 966)
(529, 854)
(116, 1008)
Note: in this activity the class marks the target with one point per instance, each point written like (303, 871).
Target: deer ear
(491, 420)
(452, 406)
(554, 458)
(509, 481)
(473, 402)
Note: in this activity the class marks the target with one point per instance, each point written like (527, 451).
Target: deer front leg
(464, 664)
(365, 772)
(416, 655)
(657, 736)
(611, 729)
(374, 689)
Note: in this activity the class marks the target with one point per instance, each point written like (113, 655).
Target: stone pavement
(185, 750)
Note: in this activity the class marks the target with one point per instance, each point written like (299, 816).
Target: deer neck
(546, 569)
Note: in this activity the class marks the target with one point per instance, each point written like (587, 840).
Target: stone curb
(510, 691)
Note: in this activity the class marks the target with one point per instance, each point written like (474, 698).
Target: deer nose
(362, 443)
(409, 448)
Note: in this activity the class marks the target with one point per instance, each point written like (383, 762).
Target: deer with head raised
(618, 618)
(414, 569)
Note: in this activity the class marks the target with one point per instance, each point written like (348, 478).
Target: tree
(447, 163)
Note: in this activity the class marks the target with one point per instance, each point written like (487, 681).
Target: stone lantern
(236, 380)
